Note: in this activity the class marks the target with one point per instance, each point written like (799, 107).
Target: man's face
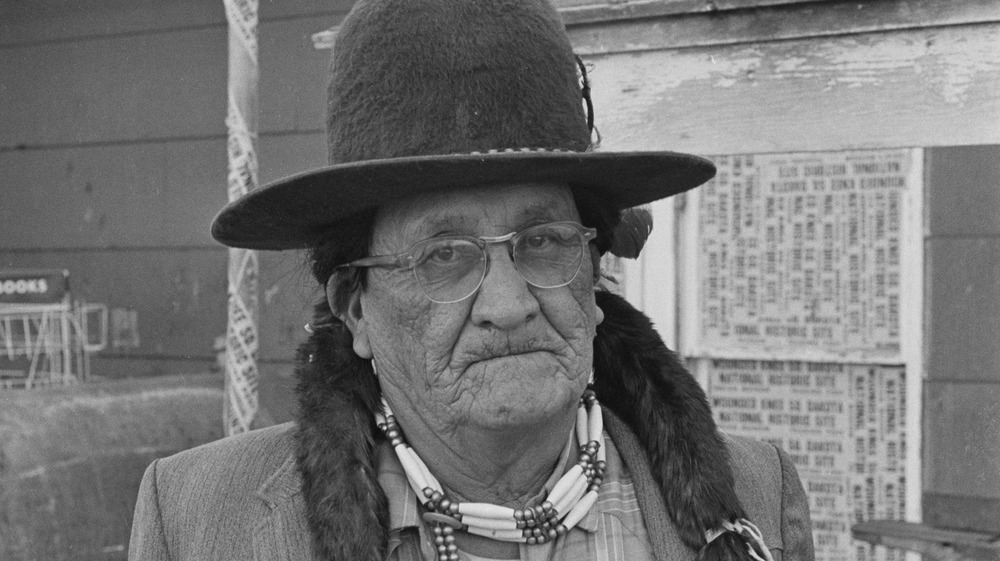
(511, 355)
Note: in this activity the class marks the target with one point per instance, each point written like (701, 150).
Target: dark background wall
(962, 333)
(71, 459)
(113, 163)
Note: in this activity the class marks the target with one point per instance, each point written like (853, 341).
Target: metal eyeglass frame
(407, 259)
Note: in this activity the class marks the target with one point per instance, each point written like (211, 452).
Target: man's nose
(505, 299)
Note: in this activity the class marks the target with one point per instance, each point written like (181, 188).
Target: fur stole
(636, 376)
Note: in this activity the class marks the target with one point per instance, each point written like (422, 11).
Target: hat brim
(291, 213)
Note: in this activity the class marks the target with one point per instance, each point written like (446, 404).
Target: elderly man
(468, 391)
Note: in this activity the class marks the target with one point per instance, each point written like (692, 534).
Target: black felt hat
(430, 95)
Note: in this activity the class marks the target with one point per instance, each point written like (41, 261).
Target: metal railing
(49, 344)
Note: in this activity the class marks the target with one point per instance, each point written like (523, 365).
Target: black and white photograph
(272, 282)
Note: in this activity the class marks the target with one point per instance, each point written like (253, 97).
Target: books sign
(33, 287)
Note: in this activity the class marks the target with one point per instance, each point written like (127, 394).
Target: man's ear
(349, 310)
(595, 261)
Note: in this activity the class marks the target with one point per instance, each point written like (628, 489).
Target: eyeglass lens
(451, 269)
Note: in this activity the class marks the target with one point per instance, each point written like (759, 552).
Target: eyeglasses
(452, 268)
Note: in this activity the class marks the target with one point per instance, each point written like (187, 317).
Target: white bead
(581, 425)
(502, 535)
(486, 510)
(490, 523)
(410, 466)
(596, 428)
(417, 488)
(429, 478)
(580, 510)
(564, 484)
(574, 494)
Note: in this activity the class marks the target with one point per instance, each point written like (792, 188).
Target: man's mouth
(510, 354)
(501, 354)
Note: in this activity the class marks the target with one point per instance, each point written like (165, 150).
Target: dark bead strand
(444, 541)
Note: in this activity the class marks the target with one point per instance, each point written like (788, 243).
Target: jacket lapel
(283, 535)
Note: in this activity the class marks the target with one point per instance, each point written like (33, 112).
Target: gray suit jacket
(240, 498)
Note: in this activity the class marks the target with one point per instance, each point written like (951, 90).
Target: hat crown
(435, 77)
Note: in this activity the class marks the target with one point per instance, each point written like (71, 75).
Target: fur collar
(636, 376)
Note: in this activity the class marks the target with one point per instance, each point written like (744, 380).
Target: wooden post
(242, 374)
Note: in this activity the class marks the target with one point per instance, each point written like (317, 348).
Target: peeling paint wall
(804, 94)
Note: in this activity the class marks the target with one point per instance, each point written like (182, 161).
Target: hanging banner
(242, 375)
(801, 252)
(843, 426)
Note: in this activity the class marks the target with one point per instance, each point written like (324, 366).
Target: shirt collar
(404, 511)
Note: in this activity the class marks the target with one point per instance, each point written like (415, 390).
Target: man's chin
(523, 412)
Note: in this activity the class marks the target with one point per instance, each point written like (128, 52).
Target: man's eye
(442, 254)
(539, 241)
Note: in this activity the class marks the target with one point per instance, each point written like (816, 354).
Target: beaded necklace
(568, 502)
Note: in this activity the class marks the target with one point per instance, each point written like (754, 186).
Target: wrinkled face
(511, 355)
